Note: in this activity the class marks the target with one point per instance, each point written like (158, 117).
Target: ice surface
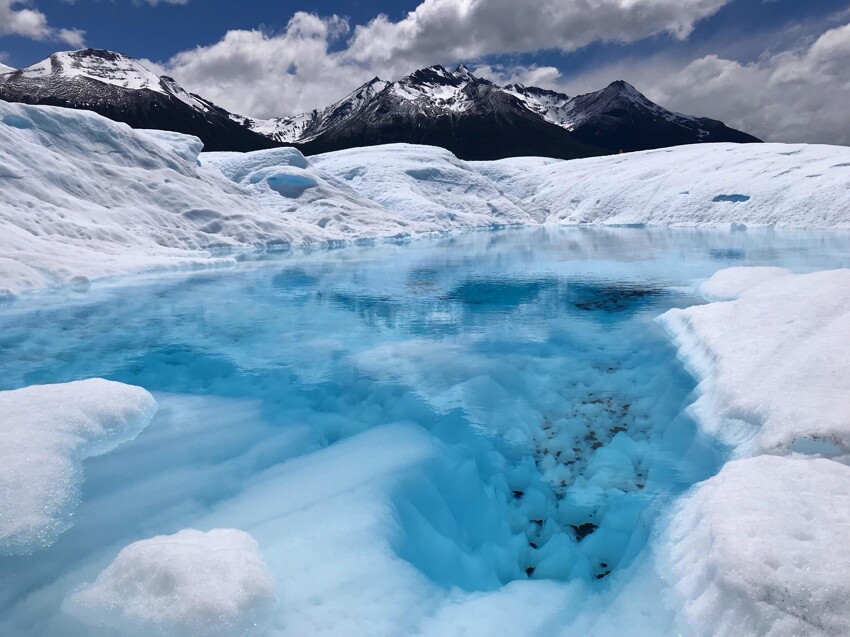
(395, 438)
(66, 211)
(46, 432)
(761, 549)
(84, 196)
(775, 362)
(780, 185)
(424, 184)
(190, 584)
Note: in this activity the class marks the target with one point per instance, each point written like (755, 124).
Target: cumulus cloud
(795, 91)
(467, 29)
(17, 18)
(266, 74)
(794, 95)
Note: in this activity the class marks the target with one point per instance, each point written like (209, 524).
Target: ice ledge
(776, 358)
(758, 549)
(46, 431)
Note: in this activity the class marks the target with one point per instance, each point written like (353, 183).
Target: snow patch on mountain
(104, 66)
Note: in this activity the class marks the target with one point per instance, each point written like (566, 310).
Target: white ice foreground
(46, 431)
(761, 548)
(190, 584)
(85, 197)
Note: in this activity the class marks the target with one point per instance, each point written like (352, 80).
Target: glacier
(84, 197)
(584, 421)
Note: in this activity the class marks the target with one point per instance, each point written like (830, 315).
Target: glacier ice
(486, 437)
(785, 360)
(46, 432)
(66, 212)
(395, 438)
(190, 584)
(760, 549)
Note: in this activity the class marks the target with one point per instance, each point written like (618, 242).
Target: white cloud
(798, 94)
(266, 74)
(17, 18)
(468, 29)
(795, 93)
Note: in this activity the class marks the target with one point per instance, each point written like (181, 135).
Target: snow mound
(424, 184)
(782, 185)
(84, 196)
(190, 584)
(775, 362)
(46, 431)
(283, 180)
(761, 549)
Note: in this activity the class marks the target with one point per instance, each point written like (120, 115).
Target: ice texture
(779, 185)
(775, 361)
(761, 549)
(84, 197)
(46, 431)
(190, 584)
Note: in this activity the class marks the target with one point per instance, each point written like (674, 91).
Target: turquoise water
(532, 356)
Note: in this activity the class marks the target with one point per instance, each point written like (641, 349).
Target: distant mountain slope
(470, 116)
(123, 90)
(477, 119)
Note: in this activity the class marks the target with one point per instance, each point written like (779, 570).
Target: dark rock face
(619, 117)
(119, 88)
(493, 125)
(467, 115)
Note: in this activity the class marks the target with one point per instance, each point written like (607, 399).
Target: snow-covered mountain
(477, 119)
(122, 89)
(5, 69)
(456, 110)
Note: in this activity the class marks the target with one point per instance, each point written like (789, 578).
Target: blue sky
(267, 58)
(158, 31)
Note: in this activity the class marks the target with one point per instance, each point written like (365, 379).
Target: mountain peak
(624, 88)
(102, 54)
(461, 70)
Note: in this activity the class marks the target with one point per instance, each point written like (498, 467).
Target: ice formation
(190, 584)
(85, 197)
(772, 358)
(778, 185)
(46, 432)
(760, 549)
(364, 426)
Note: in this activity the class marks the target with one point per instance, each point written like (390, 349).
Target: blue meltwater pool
(392, 423)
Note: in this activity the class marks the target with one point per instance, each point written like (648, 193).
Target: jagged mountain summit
(122, 89)
(473, 117)
(477, 119)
